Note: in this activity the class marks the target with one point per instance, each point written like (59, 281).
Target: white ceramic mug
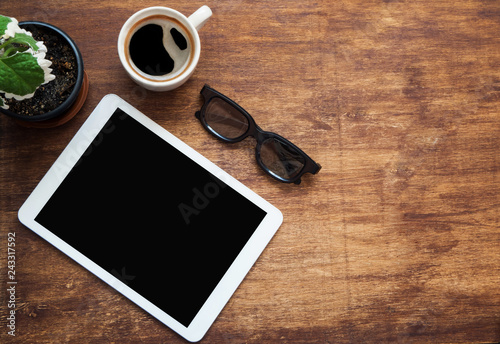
(184, 60)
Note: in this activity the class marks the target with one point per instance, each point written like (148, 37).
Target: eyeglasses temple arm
(319, 168)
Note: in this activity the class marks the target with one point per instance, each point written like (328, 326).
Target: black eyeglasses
(276, 155)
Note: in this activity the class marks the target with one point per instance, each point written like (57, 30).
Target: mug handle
(200, 17)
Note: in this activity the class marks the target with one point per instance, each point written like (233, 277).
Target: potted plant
(42, 81)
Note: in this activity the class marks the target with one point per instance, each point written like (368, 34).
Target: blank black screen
(151, 216)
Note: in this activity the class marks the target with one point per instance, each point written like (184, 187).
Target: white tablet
(151, 217)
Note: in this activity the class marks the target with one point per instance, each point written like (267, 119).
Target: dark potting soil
(49, 96)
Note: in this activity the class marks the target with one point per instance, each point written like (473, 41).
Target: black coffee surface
(179, 39)
(148, 53)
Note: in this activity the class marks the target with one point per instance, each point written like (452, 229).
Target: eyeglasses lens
(281, 159)
(225, 119)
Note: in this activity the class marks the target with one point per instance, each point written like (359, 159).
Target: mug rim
(149, 14)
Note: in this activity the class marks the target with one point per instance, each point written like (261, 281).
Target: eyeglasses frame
(255, 131)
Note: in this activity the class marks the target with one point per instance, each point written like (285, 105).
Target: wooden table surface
(395, 240)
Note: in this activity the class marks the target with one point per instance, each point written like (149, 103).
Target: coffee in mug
(159, 47)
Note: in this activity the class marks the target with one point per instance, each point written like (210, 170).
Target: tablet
(151, 217)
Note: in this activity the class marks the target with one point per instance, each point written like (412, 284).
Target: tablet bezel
(94, 126)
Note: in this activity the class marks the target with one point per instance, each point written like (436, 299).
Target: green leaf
(9, 51)
(4, 21)
(20, 74)
(22, 38)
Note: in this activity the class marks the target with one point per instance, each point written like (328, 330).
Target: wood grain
(395, 240)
